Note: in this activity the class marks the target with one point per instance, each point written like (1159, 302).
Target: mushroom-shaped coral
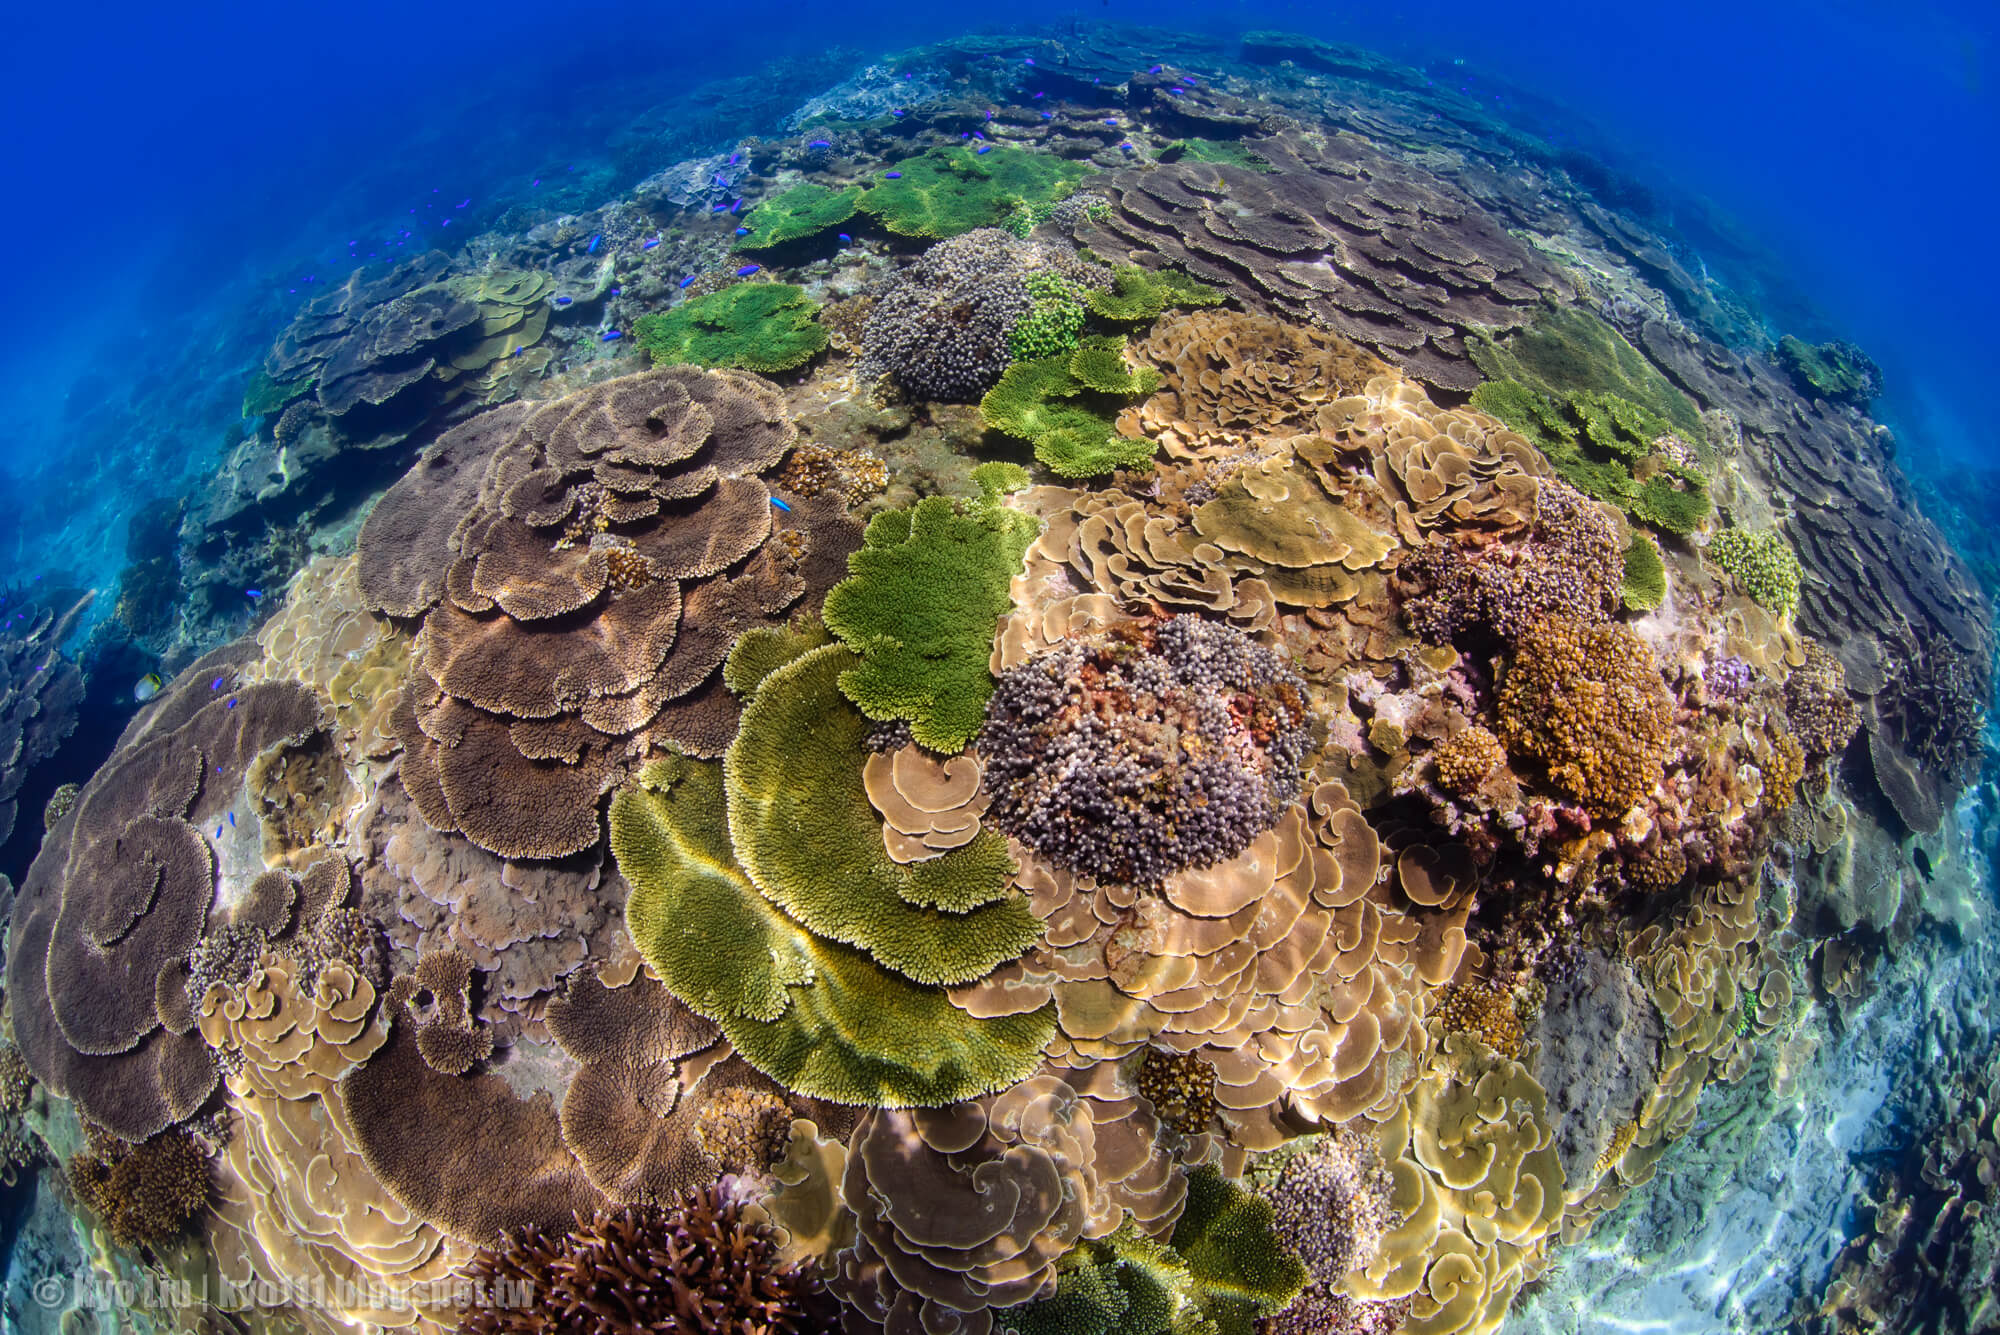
(697, 1262)
(1135, 756)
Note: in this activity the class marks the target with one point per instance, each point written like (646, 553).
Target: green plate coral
(1645, 584)
(1064, 404)
(1570, 351)
(804, 210)
(927, 589)
(808, 838)
(1140, 296)
(263, 395)
(952, 190)
(820, 1018)
(1055, 322)
(755, 326)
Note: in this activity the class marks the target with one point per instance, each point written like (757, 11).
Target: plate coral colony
(1112, 686)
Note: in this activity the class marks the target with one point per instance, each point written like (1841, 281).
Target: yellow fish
(147, 687)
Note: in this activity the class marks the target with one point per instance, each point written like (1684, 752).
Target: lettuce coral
(927, 588)
(756, 326)
(948, 191)
(1059, 404)
(820, 1017)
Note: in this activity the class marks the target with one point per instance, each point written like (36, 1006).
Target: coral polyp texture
(1096, 682)
(1138, 756)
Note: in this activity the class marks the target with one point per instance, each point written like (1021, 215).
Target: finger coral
(696, 1262)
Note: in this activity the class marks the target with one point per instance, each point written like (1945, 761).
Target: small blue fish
(564, 301)
(1175, 92)
(216, 685)
(687, 280)
(1038, 97)
(820, 143)
(989, 113)
(742, 231)
(253, 594)
(591, 249)
(898, 112)
(1109, 121)
(781, 505)
(893, 176)
(737, 207)
(747, 270)
(218, 831)
(844, 236)
(978, 136)
(1154, 70)
(232, 703)
(1029, 60)
(649, 243)
(610, 336)
(1188, 79)
(734, 156)
(722, 180)
(1126, 147)
(232, 820)
(1048, 115)
(719, 208)
(617, 291)
(965, 134)
(463, 202)
(983, 148)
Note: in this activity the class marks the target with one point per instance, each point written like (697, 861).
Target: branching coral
(1053, 323)
(1134, 757)
(1588, 702)
(146, 1194)
(697, 1263)
(755, 326)
(928, 586)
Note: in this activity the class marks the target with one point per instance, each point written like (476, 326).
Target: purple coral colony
(1078, 689)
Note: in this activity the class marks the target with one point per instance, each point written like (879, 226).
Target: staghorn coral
(698, 1262)
(146, 1194)
(754, 326)
(1587, 701)
(1137, 756)
(919, 608)
(534, 685)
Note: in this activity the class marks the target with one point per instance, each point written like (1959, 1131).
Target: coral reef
(145, 1194)
(1064, 404)
(949, 191)
(40, 691)
(1763, 565)
(1587, 701)
(1837, 372)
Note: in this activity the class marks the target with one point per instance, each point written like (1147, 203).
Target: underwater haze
(1267, 668)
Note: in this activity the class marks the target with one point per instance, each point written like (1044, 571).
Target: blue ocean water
(179, 181)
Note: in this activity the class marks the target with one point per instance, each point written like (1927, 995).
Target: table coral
(948, 191)
(1064, 405)
(755, 326)
(919, 608)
